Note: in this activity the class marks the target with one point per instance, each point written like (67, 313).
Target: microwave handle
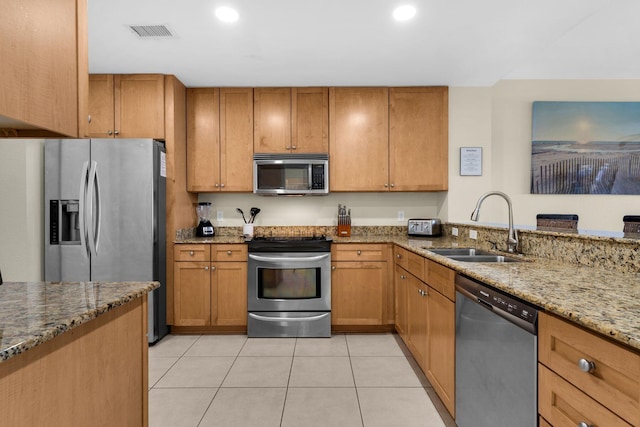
(310, 175)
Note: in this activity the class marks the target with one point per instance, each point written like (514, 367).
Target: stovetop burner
(290, 244)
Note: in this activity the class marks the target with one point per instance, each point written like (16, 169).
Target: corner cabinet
(403, 132)
(127, 106)
(291, 120)
(210, 287)
(220, 140)
(359, 286)
(44, 72)
(425, 319)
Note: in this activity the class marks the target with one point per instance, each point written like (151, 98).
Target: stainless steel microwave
(291, 174)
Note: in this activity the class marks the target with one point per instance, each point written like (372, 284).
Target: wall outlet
(473, 234)
(400, 215)
(454, 231)
(219, 216)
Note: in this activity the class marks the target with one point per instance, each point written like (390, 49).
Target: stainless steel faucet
(512, 239)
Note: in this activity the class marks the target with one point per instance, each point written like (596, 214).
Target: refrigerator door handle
(83, 209)
(94, 223)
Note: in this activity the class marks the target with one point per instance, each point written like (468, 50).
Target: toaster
(424, 227)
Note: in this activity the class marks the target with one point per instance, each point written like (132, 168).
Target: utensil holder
(247, 230)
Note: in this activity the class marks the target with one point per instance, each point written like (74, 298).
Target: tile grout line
(286, 390)
(353, 376)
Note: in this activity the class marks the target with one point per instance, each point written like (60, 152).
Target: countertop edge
(73, 322)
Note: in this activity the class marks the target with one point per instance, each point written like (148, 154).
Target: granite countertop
(32, 313)
(599, 299)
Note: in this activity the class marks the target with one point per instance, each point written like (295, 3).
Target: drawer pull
(229, 252)
(359, 252)
(588, 367)
(398, 256)
(333, 267)
(206, 268)
(583, 424)
(191, 253)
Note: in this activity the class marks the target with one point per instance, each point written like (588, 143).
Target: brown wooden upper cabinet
(44, 72)
(126, 106)
(291, 120)
(359, 139)
(418, 138)
(220, 139)
(393, 139)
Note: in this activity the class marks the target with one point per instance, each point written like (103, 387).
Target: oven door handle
(288, 259)
(288, 319)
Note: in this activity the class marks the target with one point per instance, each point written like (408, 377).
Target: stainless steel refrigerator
(105, 215)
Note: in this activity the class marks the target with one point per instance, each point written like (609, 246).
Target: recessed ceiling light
(226, 14)
(404, 13)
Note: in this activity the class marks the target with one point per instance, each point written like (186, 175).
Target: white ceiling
(356, 42)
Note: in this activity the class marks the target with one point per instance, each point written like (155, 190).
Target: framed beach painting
(585, 148)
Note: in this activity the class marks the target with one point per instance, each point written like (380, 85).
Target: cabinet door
(310, 120)
(139, 106)
(358, 293)
(272, 115)
(229, 293)
(203, 140)
(236, 139)
(418, 139)
(417, 309)
(192, 294)
(101, 106)
(359, 139)
(401, 301)
(441, 332)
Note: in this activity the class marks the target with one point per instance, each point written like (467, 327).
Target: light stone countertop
(599, 299)
(32, 313)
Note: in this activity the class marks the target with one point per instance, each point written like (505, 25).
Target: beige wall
(506, 110)
(21, 221)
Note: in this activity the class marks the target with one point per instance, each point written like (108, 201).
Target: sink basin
(482, 258)
(448, 252)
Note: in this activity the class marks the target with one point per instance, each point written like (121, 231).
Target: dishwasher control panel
(496, 299)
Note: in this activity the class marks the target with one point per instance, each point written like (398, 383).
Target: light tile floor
(365, 380)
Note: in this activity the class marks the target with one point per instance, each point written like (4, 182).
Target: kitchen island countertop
(32, 313)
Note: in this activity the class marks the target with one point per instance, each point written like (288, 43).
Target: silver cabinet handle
(359, 253)
(229, 253)
(213, 267)
(89, 118)
(583, 424)
(393, 185)
(222, 185)
(386, 185)
(116, 132)
(586, 365)
(217, 185)
(206, 267)
(398, 256)
(191, 253)
(293, 147)
(109, 132)
(333, 267)
(402, 276)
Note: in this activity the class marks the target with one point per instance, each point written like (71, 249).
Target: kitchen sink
(482, 258)
(459, 252)
(471, 255)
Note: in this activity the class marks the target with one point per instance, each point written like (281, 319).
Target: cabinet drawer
(358, 252)
(401, 257)
(191, 252)
(416, 266)
(229, 252)
(441, 278)
(566, 406)
(614, 380)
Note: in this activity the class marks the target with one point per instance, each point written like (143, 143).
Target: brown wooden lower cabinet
(212, 291)
(425, 319)
(584, 377)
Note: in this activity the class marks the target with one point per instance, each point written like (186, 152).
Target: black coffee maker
(205, 228)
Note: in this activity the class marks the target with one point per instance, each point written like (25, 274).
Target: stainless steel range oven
(289, 287)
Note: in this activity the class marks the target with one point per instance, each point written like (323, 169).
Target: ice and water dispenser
(64, 222)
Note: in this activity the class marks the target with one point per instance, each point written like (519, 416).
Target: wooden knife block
(344, 230)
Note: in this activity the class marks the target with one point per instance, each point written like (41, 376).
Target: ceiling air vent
(145, 31)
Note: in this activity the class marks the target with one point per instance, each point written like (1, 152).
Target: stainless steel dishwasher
(496, 357)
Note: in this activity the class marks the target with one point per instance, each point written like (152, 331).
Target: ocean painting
(585, 148)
